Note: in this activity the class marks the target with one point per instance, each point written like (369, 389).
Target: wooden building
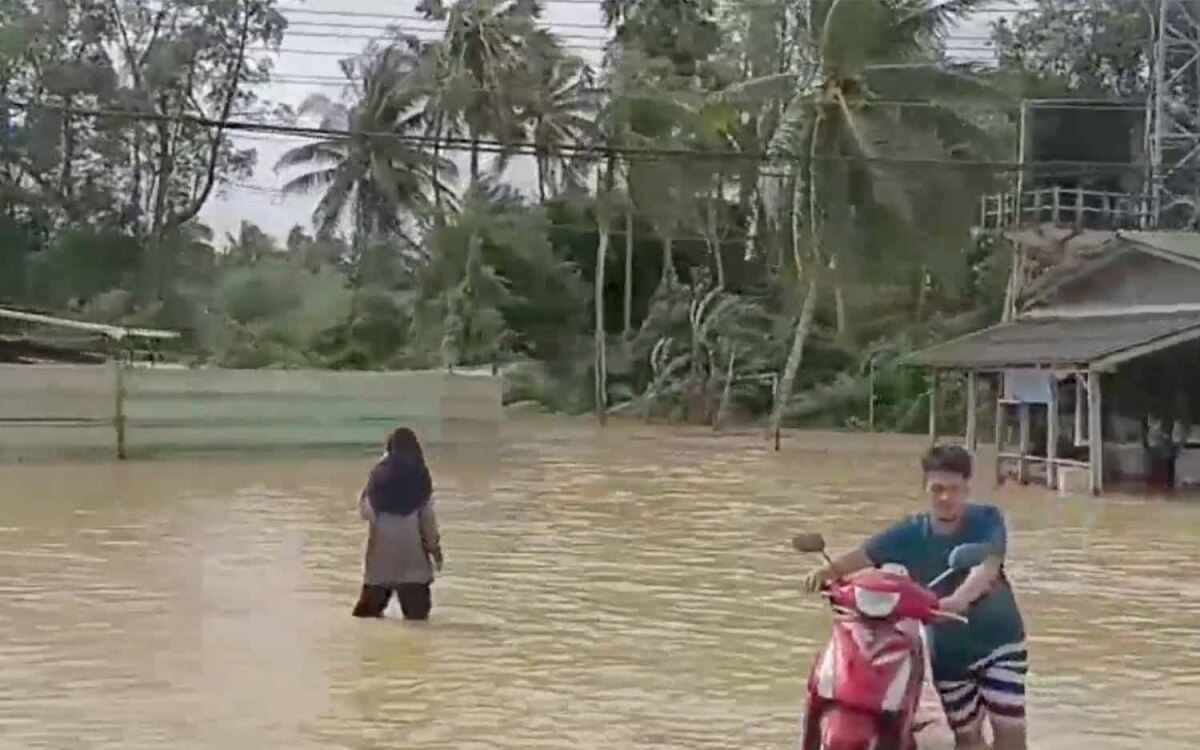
(1099, 353)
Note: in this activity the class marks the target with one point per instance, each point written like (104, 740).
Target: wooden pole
(871, 403)
(1095, 434)
(1052, 434)
(972, 412)
(935, 377)
(119, 407)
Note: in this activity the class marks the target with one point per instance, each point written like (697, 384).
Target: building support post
(935, 378)
(1095, 434)
(972, 412)
(1000, 418)
(1024, 443)
(1080, 398)
(1052, 434)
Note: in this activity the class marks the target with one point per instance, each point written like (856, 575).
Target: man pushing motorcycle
(979, 668)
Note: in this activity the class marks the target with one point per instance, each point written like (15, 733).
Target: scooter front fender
(848, 730)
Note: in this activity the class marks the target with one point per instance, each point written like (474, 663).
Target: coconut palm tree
(558, 109)
(851, 141)
(481, 57)
(375, 181)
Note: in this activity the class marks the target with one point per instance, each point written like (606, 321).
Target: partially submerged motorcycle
(865, 686)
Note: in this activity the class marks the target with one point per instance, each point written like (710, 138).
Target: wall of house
(72, 411)
(1135, 279)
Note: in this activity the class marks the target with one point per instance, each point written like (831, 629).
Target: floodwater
(626, 589)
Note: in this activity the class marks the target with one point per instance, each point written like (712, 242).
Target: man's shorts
(994, 685)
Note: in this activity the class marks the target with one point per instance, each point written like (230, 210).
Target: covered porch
(1077, 400)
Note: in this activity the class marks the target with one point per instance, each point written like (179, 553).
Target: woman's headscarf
(400, 484)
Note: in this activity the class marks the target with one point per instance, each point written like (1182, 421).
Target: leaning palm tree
(867, 166)
(370, 173)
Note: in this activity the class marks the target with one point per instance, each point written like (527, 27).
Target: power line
(389, 35)
(529, 149)
(781, 4)
(983, 41)
(343, 54)
(983, 104)
(550, 225)
(438, 24)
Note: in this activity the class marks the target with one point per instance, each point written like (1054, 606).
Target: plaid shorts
(995, 684)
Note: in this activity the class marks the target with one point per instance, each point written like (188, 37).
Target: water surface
(631, 588)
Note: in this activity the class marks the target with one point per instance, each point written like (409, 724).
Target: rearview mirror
(967, 556)
(809, 543)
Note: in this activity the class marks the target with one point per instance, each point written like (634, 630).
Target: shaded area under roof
(1051, 342)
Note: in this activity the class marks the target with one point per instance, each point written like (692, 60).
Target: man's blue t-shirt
(995, 620)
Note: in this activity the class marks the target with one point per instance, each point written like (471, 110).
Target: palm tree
(851, 144)
(558, 108)
(375, 181)
(481, 57)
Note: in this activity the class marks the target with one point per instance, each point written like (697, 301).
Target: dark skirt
(415, 600)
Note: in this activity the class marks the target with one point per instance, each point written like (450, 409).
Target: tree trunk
(804, 321)
(628, 329)
(748, 251)
(474, 159)
(726, 392)
(796, 355)
(714, 243)
(839, 302)
(668, 259)
(601, 363)
(437, 156)
(541, 176)
(922, 293)
(604, 193)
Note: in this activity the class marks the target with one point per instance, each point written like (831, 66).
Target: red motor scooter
(865, 685)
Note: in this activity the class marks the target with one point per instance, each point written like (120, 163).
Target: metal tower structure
(1173, 122)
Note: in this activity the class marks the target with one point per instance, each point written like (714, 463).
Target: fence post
(1079, 207)
(119, 413)
(1057, 198)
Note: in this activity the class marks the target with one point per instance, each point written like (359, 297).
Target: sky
(321, 32)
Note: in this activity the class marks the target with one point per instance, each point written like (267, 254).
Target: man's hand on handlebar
(816, 580)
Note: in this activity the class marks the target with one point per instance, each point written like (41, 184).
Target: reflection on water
(626, 589)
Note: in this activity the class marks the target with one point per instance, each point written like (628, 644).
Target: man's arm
(982, 576)
(885, 546)
(978, 581)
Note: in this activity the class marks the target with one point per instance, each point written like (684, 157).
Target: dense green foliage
(760, 193)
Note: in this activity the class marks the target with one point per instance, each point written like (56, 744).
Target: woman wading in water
(403, 544)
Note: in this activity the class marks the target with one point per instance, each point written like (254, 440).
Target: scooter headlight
(875, 603)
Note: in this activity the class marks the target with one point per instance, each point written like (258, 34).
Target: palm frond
(311, 181)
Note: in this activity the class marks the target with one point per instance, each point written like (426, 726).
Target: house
(1095, 367)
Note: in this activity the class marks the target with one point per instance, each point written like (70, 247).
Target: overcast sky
(323, 31)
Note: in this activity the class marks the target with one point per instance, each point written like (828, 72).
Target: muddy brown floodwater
(626, 589)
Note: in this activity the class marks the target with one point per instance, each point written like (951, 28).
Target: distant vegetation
(739, 195)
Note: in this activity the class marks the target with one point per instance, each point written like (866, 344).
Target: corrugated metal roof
(1184, 244)
(1050, 342)
(113, 332)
